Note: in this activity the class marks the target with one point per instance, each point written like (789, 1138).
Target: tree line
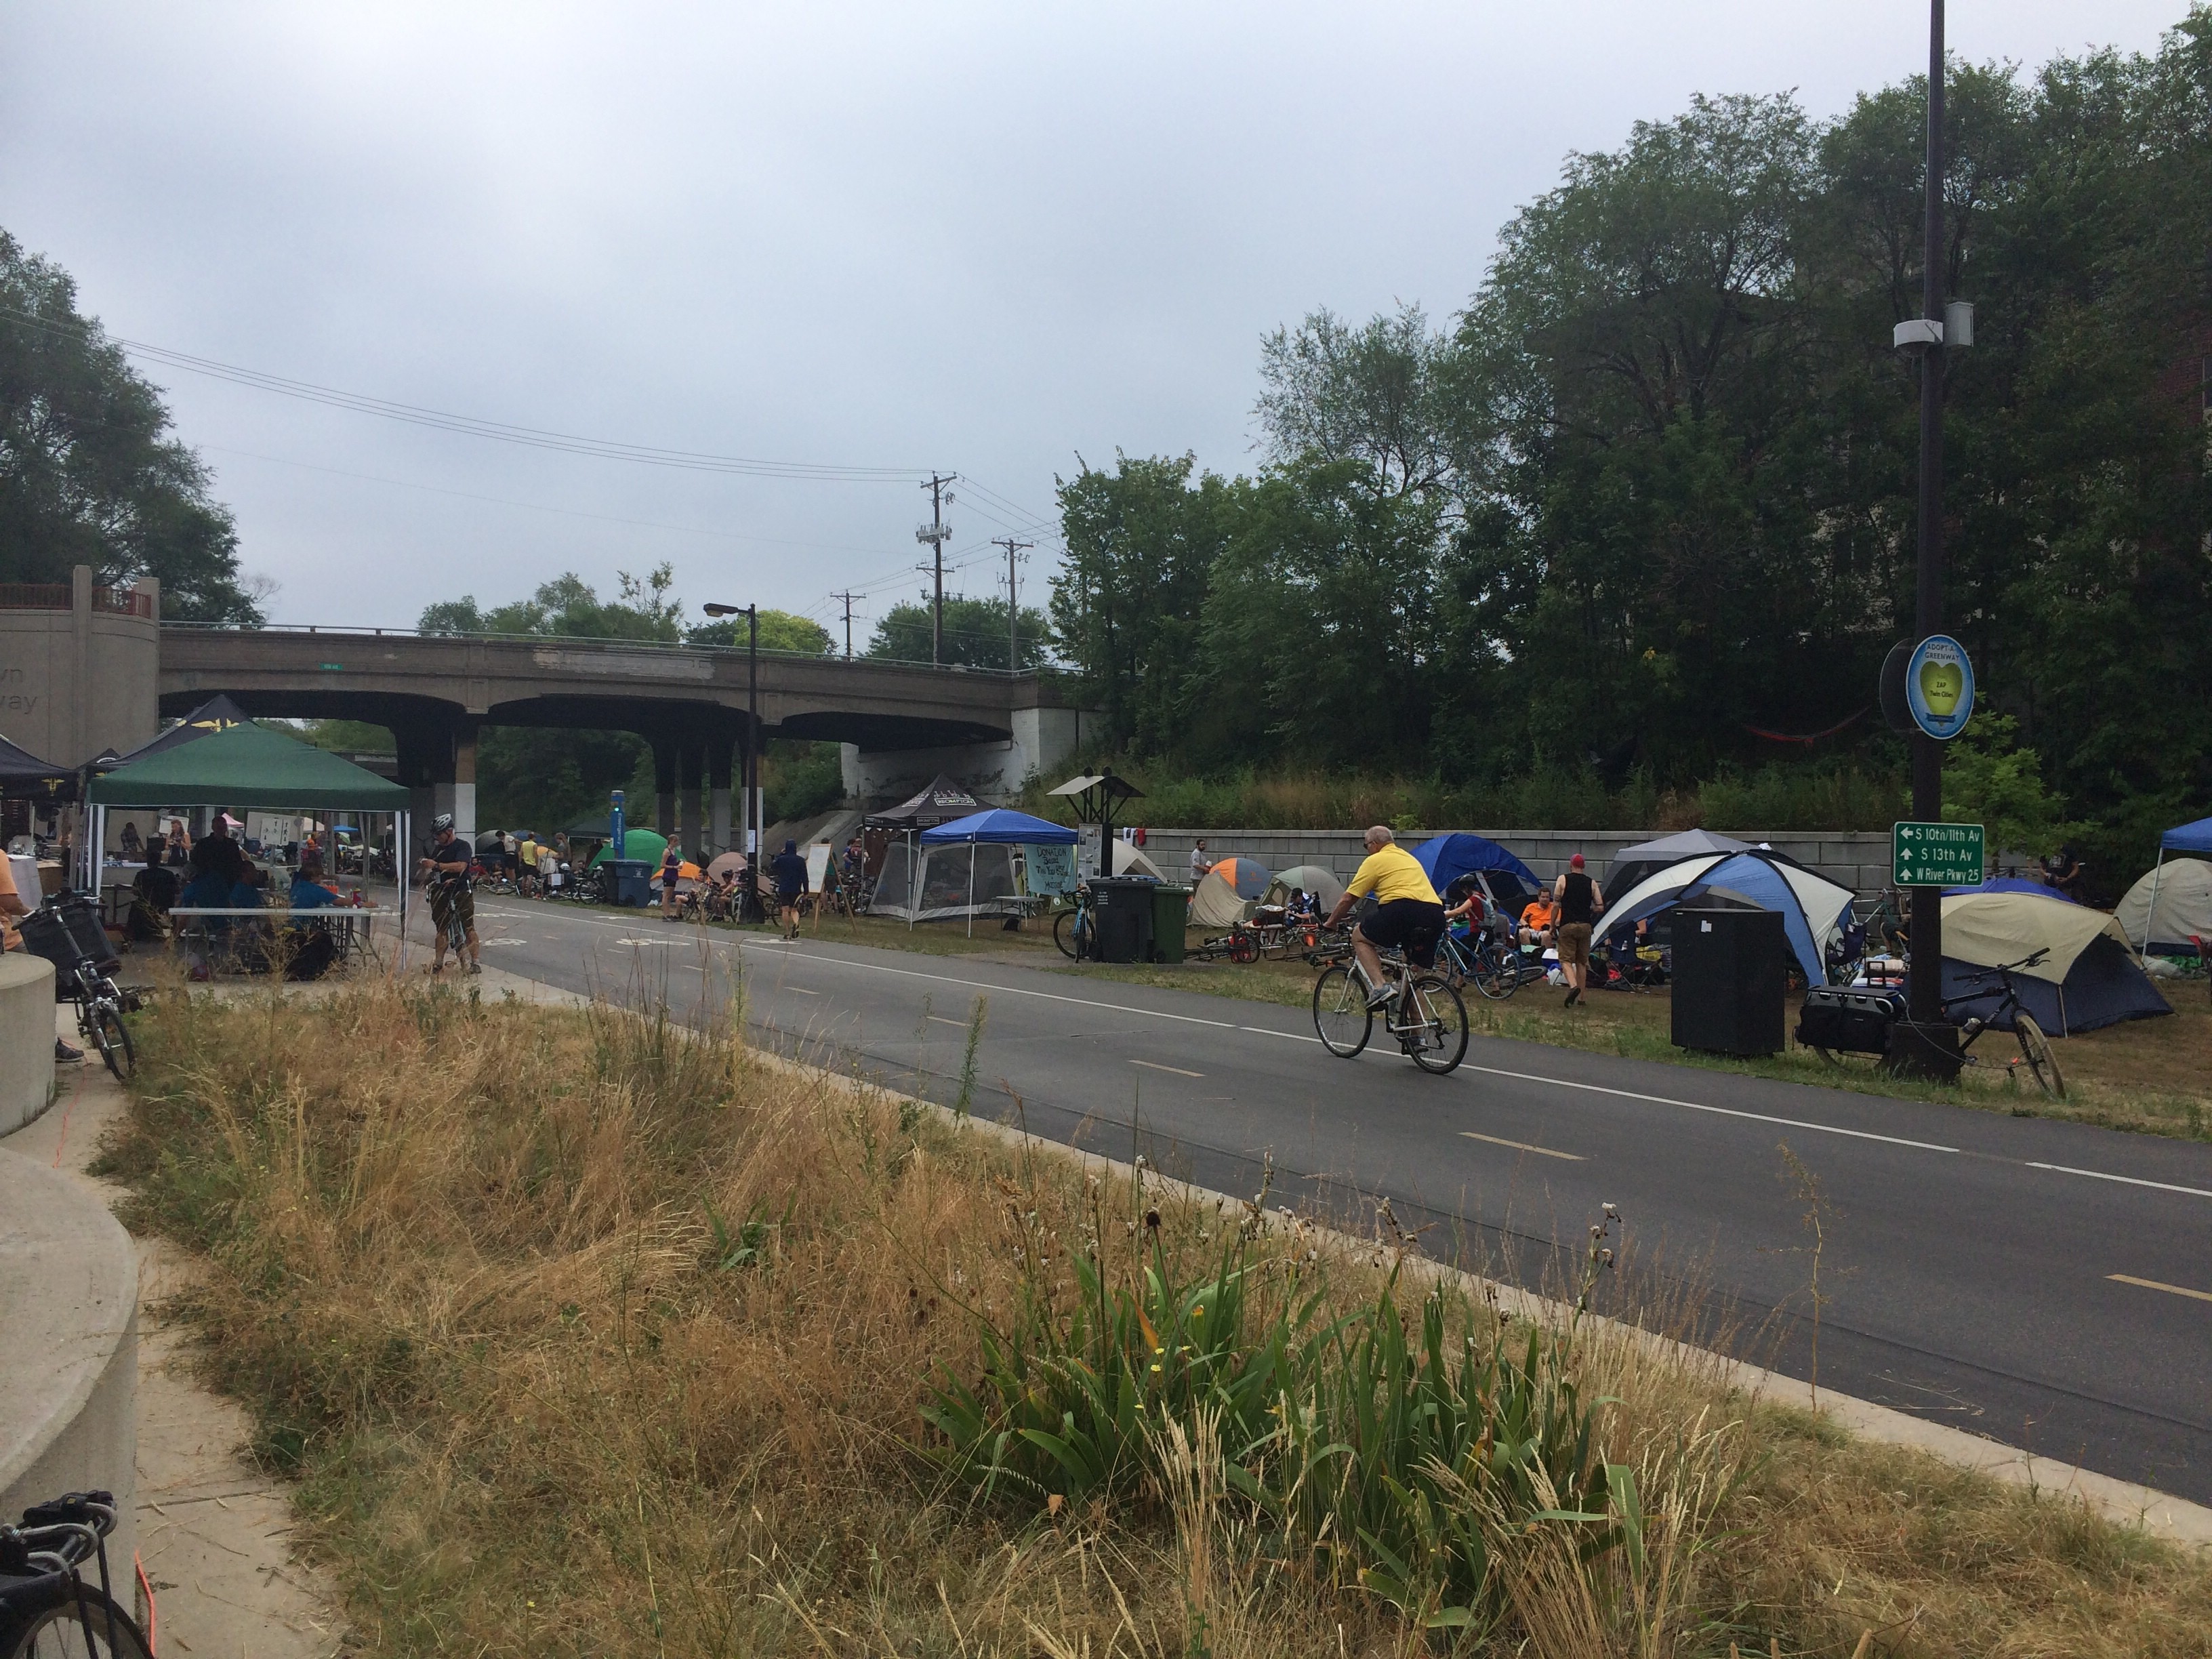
(1644, 510)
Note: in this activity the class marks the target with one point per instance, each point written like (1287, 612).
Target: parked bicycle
(61, 930)
(1423, 1012)
(1075, 929)
(47, 1610)
(2035, 1051)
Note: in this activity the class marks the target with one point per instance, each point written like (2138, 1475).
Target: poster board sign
(1089, 850)
(818, 864)
(1051, 870)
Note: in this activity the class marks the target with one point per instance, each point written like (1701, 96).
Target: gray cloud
(978, 238)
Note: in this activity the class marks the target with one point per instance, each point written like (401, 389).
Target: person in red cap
(1580, 901)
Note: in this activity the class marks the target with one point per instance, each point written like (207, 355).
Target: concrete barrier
(68, 1362)
(26, 1038)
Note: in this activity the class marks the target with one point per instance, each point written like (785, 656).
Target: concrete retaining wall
(69, 1365)
(27, 1040)
(1859, 861)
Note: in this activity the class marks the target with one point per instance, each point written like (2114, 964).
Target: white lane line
(1492, 1071)
(2160, 1285)
(799, 990)
(1524, 1146)
(939, 1019)
(2131, 1181)
(1153, 1066)
(1721, 1111)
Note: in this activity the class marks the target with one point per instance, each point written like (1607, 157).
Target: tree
(780, 630)
(975, 633)
(643, 609)
(88, 474)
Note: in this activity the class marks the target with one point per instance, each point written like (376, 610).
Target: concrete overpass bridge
(899, 722)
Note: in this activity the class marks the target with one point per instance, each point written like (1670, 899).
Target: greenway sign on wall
(1936, 854)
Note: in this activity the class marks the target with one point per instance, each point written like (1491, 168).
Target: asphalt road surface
(2044, 1283)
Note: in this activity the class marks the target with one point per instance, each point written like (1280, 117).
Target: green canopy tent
(250, 765)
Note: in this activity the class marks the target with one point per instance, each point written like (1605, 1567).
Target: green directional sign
(1936, 854)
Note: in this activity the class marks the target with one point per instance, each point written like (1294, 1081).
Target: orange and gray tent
(1228, 891)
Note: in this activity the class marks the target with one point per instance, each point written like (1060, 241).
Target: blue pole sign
(618, 822)
(1939, 687)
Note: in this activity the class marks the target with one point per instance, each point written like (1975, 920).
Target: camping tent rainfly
(2185, 909)
(1227, 892)
(1311, 877)
(1813, 908)
(1447, 858)
(2087, 979)
(1631, 864)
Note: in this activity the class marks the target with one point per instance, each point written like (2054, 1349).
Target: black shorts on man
(1412, 925)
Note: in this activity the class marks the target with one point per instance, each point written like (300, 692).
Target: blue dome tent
(1447, 858)
(1813, 908)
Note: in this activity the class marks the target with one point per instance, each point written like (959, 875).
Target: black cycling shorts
(1413, 925)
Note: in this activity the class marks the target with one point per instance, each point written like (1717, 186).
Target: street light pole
(752, 717)
(1927, 903)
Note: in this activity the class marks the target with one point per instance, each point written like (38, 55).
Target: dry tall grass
(587, 1336)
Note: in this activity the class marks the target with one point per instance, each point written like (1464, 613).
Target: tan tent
(2184, 907)
(1227, 892)
(1129, 859)
(1321, 884)
(2087, 979)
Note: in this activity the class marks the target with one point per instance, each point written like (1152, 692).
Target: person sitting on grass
(787, 870)
(1538, 919)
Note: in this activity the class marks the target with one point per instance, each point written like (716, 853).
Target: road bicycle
(47, 1610)
(1075, 929)
(2035, 1051)
(57, 930)
(1422, 1011)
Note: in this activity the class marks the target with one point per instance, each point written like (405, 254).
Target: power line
(471, 426)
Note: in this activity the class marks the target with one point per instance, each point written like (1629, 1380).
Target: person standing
(787, 870)
(445, 869)
(1580, 901)
(672, 865)
(1200, 864)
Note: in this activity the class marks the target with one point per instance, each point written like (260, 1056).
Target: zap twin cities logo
(1939, 687)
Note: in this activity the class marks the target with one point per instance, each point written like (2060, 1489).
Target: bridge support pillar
(717, 793)
(464, 780)
(664, 785)
(690, 762)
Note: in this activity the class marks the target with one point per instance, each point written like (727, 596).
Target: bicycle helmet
(442, 823)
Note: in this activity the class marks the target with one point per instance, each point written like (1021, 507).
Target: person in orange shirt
(1538, 919)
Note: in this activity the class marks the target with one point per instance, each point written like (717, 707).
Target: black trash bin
(630, 881)
(1729, 970)
(1124, 914)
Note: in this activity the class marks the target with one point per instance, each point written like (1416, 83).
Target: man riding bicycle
(445, 870)
(1408, 914)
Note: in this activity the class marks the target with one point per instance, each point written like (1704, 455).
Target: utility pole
(848, 598)
(1013, 610)
(934, 533)
(1927, 919)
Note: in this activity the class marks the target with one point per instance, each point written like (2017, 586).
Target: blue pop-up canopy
(1000, 826)
(2188, 837)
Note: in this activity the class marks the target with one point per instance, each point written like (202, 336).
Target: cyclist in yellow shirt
(1407, 912)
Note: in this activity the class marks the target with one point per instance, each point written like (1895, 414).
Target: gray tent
(1631, 864)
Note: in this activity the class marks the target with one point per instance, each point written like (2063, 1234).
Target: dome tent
(2087, 979)
(1631, 866)
(1324, 885)
(2184, 914)
(1225, 894)
(1813, 908)
(1447, 858)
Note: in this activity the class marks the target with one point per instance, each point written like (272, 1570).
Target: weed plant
(593, 1332)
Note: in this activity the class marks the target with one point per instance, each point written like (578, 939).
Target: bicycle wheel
(58, 1632)
(2035, 1048)
(1243, 947)
(1438, 1042)
(1064, 932)
(1339, 1010)
(104, 1025)
(1494, 977)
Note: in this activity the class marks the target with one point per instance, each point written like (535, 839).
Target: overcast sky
(977, 239)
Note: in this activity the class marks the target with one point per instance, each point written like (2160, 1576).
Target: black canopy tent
(24, 776)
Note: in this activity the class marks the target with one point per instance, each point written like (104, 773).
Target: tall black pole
(1927, 917)
(752, 732)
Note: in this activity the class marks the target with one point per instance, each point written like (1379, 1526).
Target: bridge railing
(317, 631)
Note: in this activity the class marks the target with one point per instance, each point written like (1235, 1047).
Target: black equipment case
(1847, 1020)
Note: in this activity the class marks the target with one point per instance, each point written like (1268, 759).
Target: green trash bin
(1171, 916)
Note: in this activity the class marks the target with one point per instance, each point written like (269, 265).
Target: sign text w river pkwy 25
(1936, 854)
